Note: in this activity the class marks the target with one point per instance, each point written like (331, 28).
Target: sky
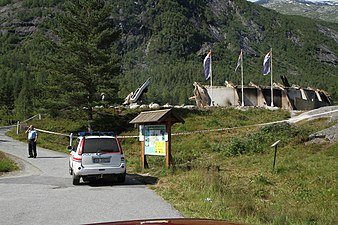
(308, 0)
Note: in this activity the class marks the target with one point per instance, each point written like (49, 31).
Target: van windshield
(97, 145)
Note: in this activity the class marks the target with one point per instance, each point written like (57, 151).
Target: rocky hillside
(23, 17)
(319, 10)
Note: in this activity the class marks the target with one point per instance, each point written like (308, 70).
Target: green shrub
(261, 140)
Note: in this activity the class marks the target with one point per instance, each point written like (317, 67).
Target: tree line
(84, 50)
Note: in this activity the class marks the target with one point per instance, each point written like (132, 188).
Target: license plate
(101, 160)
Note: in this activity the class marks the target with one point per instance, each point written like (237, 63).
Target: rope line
(30, 118)
(294, 119)
(51, 132)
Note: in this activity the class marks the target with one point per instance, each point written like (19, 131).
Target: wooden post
(274, 158)
(71, 139)
(142, 155)
(168, 159)
(274, 145)
(18, 127)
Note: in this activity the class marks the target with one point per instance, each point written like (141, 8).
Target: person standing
(32, 138)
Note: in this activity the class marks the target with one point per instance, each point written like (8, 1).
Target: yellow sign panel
(160, 147)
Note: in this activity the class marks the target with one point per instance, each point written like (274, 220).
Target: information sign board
(155, 138)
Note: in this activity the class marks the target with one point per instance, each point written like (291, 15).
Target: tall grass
(228, 174)
(233, 179)
(6, 164)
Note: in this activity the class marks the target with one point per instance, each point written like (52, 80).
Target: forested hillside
(166, 40)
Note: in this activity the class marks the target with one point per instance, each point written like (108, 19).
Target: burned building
(285, 97)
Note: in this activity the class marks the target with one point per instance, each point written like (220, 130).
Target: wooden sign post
(155, 133)
(274, 145)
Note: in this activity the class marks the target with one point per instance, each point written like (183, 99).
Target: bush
(261, 140)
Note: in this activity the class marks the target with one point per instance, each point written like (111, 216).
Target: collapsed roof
(285, 97)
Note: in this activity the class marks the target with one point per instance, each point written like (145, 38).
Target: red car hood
(171, 222)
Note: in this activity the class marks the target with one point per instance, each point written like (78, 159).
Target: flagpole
(242, 77)
(271, 80)
(212, 93)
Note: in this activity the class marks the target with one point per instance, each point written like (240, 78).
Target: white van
(97, 155)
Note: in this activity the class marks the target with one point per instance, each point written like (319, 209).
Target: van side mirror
(69, 148)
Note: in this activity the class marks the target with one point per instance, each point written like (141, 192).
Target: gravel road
(42, 193)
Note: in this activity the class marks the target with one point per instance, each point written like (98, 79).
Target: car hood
(172, 222)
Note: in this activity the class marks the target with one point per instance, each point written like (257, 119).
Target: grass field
(6, 164)
(228, 174)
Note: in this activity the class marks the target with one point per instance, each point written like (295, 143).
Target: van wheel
(121, 178)
(76, 180)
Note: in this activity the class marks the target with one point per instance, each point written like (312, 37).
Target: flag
(239, 61)
(207, 66)
(266, 63)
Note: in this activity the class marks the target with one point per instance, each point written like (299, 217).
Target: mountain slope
(304, 49)
(167, 41)
(320, 10)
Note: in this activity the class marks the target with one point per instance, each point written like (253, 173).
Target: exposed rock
(245, 46)
(325, 55)
(144, 106)
(215, 32)
(154, 106)
(323, 112)
(134, 106)
(189, 107)
(221, 8)
(294, 39)
(9, 22)
(327, 135)
(328, 32)
(167, 105)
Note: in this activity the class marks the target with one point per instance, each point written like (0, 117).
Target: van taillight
(81, 146)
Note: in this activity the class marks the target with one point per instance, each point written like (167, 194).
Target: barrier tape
(30, 118)
(295, 119)
(247, 126)
(123, 137)
(228, 128)
(51, 132)
(75, 136)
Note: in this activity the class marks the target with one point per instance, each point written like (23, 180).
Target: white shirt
(32, 134)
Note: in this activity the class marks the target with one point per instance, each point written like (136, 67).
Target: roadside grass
(228, 174)
(302, 189)
(6, 164)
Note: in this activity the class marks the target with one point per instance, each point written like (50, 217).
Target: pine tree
(86, 62)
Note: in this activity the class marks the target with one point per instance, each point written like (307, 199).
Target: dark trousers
(32, 148)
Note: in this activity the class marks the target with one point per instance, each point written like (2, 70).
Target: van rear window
(97, 145)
